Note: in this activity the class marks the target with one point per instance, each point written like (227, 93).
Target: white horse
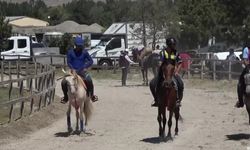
(78, 98)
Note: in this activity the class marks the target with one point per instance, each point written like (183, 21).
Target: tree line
(192, 22)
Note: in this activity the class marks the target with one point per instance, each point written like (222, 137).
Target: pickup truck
(22, 47)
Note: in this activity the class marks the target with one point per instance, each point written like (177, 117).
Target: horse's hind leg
(68, 118)
(177, 116)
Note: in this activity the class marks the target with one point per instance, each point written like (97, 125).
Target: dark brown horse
(167, 99)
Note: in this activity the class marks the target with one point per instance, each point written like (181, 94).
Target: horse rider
(78, 59)
(168, 55)
(241, 83)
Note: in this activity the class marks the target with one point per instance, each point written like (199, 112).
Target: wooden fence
(197, 67)
(27, 86)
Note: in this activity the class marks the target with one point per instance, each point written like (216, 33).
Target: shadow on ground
(238, 137)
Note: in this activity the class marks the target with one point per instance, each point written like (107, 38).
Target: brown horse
(167, 99)
(146, 60)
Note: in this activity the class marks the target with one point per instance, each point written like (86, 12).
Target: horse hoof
(70, 130)
(176, 134)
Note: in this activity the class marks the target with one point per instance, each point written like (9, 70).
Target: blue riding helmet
(79, 41)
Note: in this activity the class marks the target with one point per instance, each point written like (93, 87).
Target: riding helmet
(79, 41)
(171, 41)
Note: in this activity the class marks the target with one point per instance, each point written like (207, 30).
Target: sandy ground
(124, 120)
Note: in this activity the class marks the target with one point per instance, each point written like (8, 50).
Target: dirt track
(124, 120)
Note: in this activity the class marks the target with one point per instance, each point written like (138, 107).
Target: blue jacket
(79, 60)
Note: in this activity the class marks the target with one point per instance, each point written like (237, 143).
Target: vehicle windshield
(10, 45)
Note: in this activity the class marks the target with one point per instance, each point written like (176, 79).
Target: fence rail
(205, 68)
(27, 86)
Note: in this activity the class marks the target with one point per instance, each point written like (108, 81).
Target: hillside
(48, 2)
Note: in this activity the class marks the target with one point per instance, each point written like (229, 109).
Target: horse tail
(87, 110)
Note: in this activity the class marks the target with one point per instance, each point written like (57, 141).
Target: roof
(65, 27)
(24, 21)
(12, 18)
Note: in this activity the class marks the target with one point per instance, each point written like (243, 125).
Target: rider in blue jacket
(78, 59)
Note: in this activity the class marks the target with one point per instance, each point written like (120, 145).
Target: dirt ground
(124, 120)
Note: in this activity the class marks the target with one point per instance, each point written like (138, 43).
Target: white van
(17, 45)
(102, 54)
(23, 48)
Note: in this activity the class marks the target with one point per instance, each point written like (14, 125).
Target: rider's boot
(179, 99)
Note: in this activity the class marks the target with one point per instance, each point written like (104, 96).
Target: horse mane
(79, 79)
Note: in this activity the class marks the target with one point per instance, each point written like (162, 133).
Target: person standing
(124, 62)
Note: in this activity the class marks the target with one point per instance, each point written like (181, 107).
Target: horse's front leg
(68, 118)
(177, 116)
(169, 137)
(164, 120)
(159, 118)
(146, 76)
(77, 120)
(143, 75)
(82, 127)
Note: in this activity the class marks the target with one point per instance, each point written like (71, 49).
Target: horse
(246, 96)
(146, 60)
(167, 98)
(79, 99)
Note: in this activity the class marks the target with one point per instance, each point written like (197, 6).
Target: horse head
(168, 73)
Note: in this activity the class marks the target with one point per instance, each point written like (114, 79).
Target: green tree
(5, 32)
(66, 43)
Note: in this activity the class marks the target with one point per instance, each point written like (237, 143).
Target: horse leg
(154, 69)
(82, 128)
(146, 76)
(177, 116)
(164, 120)
(68, 118)
(159, 118)
(248, 109)
(77, 120)
(143, 75)
(170, 125)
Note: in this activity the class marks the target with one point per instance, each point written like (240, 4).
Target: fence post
(32, 98)
(97, 65)
(64, 63)
(51, 60)
(21, 95)
(2, 70)
(115, 66)
(188, 73)
(229, 70)
(18, 68)
(35, 75)
(11, 107)
(214, 70)
(202, 69)
(27, 71)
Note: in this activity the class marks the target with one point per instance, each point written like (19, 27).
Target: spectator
(124, 62)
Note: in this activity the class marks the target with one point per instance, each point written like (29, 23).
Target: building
(23, 21)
